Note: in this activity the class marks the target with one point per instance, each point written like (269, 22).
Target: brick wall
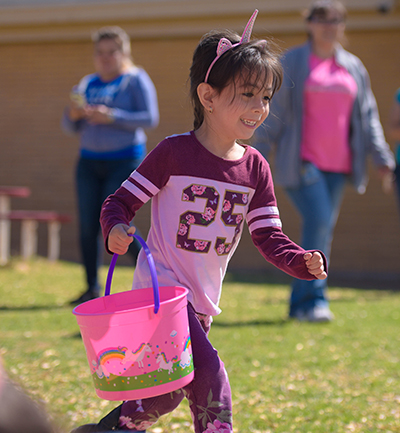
(36, 78)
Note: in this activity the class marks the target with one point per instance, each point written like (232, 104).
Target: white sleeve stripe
(137, 192)
(262, 211)
(145, 183)
(260, 224)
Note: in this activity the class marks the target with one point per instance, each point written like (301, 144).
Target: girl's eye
(267, 99)
(248, 94)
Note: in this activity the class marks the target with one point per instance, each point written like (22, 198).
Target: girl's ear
(206, 94)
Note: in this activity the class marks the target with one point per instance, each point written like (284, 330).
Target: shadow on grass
(356, 280)
(222, 324)
(257, 277)
(74, 336)
(33, 307)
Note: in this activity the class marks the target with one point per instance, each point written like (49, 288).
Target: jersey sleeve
(265, 227)
(143, 184)
(144, 112)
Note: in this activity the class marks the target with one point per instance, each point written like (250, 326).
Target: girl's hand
(315, 265)
(119, 239)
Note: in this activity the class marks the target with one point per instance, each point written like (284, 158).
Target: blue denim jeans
(95, 181)
(318, 200)
(397, 179)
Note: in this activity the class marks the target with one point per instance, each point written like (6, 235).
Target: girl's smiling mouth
(249, 122)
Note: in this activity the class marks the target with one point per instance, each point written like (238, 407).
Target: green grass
(285, 376)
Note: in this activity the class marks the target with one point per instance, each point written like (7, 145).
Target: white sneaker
(319, 314)
(316, 314)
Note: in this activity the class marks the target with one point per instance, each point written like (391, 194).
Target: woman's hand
(76, 112)
(387, 176)
(99, 115)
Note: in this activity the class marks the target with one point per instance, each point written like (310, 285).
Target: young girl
(204, 185)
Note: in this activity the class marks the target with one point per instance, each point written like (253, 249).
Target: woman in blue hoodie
(109, 109)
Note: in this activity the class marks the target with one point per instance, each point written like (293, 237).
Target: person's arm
(265, 225)
(72, 119)
(74, 115)
(287, 256)
(394, 119)
(141, 186)
(117, 211)
(144, 100)
(379, 148)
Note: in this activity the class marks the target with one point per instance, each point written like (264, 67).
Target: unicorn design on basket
(164, 364)
(135, 356)
(100, 370)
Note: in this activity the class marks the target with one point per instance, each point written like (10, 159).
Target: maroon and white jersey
(199, 205)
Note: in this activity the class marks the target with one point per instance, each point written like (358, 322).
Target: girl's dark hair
(320, 9)
(255, 60)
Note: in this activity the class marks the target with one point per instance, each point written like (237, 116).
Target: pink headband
(225, 45)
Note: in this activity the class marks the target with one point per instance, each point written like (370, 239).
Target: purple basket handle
(153, 273)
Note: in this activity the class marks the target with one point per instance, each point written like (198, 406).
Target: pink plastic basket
(137, 342)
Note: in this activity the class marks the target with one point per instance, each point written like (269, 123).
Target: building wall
(37, 73)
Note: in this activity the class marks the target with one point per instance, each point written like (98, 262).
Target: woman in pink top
(324, 124)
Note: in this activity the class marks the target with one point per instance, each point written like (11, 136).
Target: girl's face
(240, 109)
(328, 29)
(108, 59)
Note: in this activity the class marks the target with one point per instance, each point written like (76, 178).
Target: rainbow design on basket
(107, 355)
(186, 357)
(188, 343)
(106, 360)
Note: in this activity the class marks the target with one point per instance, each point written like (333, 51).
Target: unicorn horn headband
(225, 45)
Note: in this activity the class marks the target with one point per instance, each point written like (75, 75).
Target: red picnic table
(29, 222)
(6, 192)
